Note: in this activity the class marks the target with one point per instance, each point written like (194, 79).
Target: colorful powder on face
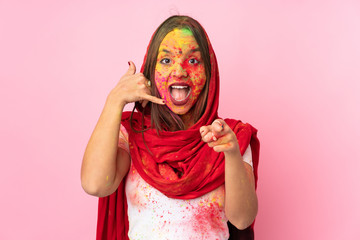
(179, 60)
(185, 31)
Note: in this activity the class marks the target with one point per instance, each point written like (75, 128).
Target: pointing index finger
(218, 126)
(154, 99)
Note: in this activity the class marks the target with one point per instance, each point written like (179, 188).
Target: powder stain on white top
(152, 215)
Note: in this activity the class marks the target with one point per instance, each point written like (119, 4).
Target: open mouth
(179, 93)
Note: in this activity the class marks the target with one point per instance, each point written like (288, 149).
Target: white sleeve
(123, 139)
(247, 157)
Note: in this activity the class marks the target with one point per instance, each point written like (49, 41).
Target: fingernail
(129, 63)
(221, 125)
(163, 101)
(214, 138)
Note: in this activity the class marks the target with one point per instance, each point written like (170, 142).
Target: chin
(180, 110)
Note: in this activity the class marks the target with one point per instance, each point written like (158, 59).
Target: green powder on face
(185, 31)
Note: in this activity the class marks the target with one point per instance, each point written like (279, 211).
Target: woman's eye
(193, 61)
(165, 61)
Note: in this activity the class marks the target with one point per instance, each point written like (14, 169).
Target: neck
(188, 119)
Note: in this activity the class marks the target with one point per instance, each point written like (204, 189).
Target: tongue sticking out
(179, 94)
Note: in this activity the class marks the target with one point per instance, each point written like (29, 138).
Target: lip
(185, 100)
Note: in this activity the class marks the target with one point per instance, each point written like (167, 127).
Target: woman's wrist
(233, 154)
(114, 102)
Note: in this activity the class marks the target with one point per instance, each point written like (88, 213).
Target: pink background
(290, 68)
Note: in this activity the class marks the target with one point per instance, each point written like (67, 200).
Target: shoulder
(241, 129)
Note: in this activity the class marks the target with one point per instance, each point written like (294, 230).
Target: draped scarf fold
(179, 164)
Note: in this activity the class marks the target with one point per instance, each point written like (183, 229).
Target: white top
(152, 215)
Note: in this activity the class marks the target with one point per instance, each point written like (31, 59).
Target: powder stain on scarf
(167, 172)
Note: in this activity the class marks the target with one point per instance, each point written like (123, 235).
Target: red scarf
(180, 164)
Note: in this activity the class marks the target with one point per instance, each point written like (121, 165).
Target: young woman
(173, 169)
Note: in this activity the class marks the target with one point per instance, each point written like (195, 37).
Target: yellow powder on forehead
(184, 31)
(177, 38)
(181, 33)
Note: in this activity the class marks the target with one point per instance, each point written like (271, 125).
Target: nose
(179, 71)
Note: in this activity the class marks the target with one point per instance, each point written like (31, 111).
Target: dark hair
(162, 118)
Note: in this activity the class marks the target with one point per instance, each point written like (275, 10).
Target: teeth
(179, 87)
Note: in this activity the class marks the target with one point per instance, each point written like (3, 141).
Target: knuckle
(141, 76)
(207, 136)
(138, 81)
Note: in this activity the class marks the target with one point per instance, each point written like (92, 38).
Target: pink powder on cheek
(198, 78)
(161, 81)
(198, 85)
(161, 84)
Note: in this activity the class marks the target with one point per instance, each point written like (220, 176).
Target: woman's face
(179, 73)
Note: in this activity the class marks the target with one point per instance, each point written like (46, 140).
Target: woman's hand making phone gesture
(133, 87)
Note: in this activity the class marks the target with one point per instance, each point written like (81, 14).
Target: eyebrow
(164, 50)
(195, 50)
(191, 51)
